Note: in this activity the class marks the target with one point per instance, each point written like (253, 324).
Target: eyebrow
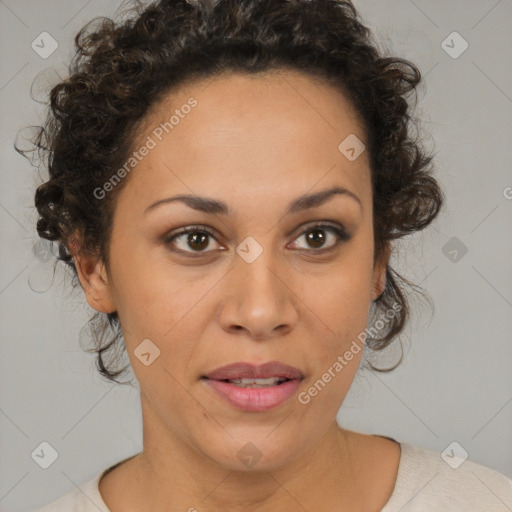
(214, 206)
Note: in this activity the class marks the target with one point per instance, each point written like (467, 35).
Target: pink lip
(248, 371)
(254, 399)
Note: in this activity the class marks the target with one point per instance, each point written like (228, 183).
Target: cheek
(340, 307)
(152, 305)
(340, 299)
(147, 288)
(171, 308)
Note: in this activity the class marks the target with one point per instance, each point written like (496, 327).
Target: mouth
(255, 383)
(264, 372)
(254, 388)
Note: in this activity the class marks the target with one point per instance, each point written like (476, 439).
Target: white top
(425, 483)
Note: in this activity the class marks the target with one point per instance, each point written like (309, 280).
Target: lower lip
(254, 399)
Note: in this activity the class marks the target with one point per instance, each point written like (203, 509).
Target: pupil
(203, 236)
(316, 239)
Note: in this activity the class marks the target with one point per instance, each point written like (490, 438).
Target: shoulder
(85, 498)
(427, 481)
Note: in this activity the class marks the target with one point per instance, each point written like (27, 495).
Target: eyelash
(339, 232)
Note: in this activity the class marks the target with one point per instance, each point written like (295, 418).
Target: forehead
(279, 96)
(280, 131)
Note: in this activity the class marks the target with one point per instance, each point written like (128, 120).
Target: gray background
(455, 383)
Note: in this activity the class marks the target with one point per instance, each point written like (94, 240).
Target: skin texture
(255, 143)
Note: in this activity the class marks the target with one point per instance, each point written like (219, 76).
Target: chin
(254, 449)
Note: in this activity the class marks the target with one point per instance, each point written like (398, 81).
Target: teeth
(256, 383)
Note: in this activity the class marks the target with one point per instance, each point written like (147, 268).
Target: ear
(379, 274)
(94, 280)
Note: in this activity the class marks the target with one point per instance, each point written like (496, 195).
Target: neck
(172, 474)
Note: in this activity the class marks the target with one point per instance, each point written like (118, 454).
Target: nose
(260, 299)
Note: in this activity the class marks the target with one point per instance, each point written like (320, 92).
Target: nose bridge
(259, 300)
(258, 271)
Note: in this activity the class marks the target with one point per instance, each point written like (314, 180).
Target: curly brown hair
(121, 69)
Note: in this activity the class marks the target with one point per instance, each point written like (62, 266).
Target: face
(259, 282)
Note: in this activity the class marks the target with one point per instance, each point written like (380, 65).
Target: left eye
(199, 238)
(316, 235)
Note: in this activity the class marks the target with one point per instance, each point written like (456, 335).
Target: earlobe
(94, 280)
(379, 284)
(379, 275)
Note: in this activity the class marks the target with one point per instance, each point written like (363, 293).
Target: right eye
(198, 238)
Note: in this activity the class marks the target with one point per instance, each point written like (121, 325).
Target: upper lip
(251, 371)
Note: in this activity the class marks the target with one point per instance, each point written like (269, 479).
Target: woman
(226, 181)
